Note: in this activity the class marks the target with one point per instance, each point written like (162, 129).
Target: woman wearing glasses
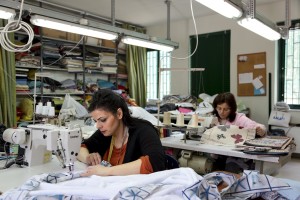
(225, 108)
(129, 145)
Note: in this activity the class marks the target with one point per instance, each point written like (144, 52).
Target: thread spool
(39, 108)
(167, 118)
(194, 121)
(180, 120)
(45, 110)
(49, 104)
(51, 111)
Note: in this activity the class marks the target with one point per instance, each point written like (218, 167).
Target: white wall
(242, 42)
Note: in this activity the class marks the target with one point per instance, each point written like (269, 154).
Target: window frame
(164, 74)
(281, 67)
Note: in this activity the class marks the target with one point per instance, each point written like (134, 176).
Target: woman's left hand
(260, 131)
(96, 170)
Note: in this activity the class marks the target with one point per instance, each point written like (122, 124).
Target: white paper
(262, 90)
(243, 58)
(259, 66)
(257, 83)
(245, 78)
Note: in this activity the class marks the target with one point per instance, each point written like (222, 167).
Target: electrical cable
(66, 52)
(13, 26)
(6, 154)
(196, 32)
(194, 51)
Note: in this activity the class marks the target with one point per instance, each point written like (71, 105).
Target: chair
(171, 162)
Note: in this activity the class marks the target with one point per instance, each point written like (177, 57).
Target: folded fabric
(176, 184)
(250, 185)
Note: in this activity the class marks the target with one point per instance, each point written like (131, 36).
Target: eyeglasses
(220, 109)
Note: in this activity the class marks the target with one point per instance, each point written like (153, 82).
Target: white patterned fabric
(227, 135)
(250, 185)
(180, 183)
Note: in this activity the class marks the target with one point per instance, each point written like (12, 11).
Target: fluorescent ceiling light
(6, 13)
(147, 44)
(223, 7)
(260, 28)
(71, 27)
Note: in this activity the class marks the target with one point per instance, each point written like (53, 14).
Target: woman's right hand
(93, 159)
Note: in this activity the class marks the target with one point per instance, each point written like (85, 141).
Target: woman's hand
(260, 131)
(93, 159)
(96, 170)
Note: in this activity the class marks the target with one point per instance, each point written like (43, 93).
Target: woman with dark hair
(225, 108)
(130, 145)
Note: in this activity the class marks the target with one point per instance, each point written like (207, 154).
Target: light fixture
(259, 28)
(60, 25)
(59, 20)
(257, 24)
(223, 7)
(147, 43)
(7, 13)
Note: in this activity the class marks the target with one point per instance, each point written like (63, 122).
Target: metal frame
(32, 9)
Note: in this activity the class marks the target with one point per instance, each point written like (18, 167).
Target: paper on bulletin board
(259, 91)
(259, 66)
(257, 83)
(258, 86)
(245, 78)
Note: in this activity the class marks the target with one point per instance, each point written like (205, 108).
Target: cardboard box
(54, 33)
(93, 41)
(73, 37)
(109, 43)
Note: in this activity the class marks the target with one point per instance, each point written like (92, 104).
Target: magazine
(278, 142)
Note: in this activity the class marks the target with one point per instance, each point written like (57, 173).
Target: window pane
(165, 75)
(291, 84)
(153, 59)
(152, 74)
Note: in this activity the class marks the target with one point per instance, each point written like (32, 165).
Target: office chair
(171, 162)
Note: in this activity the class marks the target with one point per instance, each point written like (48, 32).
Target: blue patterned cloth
(250, 185)
(175, 184)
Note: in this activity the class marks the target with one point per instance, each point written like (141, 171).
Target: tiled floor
(291, 170)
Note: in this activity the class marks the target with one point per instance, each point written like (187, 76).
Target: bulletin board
(251, 74)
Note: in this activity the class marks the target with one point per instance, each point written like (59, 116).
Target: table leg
(268, 168)
(259, 166)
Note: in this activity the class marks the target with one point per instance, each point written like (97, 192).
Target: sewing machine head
(40, 141)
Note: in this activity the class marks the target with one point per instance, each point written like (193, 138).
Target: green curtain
(136, 62)
(7, 86)
(136, 58)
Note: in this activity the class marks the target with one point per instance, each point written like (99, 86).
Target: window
(153, 58)
(289, 67)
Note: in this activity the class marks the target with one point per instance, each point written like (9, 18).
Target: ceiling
(142, 12)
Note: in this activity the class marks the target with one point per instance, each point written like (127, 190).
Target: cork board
(251, 74)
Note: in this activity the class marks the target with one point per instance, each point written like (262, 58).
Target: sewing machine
(204, 123)
(41, 141)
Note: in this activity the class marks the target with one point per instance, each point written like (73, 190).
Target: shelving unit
(83, 73)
